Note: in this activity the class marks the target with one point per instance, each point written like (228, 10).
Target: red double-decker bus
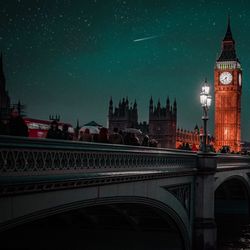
(39, 128)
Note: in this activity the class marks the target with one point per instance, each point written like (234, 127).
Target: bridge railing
(34, 163)
(27, 157)
(232, 160)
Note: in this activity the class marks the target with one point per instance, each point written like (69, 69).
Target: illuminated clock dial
(240, 79)
(226, 78)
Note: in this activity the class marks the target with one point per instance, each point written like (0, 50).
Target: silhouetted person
(65, 133)
(86, 136)
(103, 135)
(145, 141)
(131, 139)
(95, 137)
(4, 127)
(153, 143)
(54, 132)
(116, 138)
(127, 138)
(80, 136)
(16, 125)
(187, 147)
(194, 148)
(225, 149)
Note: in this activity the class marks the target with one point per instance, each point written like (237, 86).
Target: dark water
(233, 232)
(106, 227)
(72, 239)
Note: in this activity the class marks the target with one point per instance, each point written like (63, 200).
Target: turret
(151, 106)
(158, 104)
(110, 106)
(77, 124)
(175, 107)
(2, 77)
(135, 105)
(126, 102)
(168, 104)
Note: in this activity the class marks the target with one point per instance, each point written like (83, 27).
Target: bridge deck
(28, 165)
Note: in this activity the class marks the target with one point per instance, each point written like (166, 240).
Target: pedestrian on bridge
(103, 135)
(115, 137)
(16, 125)
(54, 132)
(3, 127)
(85, 135)
(65, 133)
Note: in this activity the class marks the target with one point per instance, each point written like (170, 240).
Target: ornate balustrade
(229, 161)
(27, 162)
(26, 157)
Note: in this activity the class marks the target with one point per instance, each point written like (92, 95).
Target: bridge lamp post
(205, 100)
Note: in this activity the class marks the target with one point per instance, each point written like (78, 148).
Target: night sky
(68, 57)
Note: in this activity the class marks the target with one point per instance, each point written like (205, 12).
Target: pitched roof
(228, 52)
(93, 123)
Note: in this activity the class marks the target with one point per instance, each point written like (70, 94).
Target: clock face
(240, 79)
(226, 78)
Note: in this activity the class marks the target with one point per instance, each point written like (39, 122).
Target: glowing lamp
(206, 101)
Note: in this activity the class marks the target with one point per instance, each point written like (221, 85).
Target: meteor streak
(145, 38)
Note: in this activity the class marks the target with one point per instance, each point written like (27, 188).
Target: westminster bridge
(105, 190)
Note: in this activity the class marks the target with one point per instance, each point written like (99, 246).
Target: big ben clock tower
(228, 86)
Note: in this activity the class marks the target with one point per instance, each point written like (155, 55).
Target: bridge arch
(242, 177)
(231, 207)
(49, 204)
(232, 195)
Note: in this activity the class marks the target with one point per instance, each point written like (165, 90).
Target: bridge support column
(204, 223)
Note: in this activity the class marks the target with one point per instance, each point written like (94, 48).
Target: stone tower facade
(162, 123)
(228, 89)
(4, 97)
(122, 116)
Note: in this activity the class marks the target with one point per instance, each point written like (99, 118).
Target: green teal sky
(68, 57)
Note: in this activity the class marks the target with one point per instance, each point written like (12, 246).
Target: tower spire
(110, 106)
(1, 62)
(135, 104)
(151, 100)
(228, 52)
(2, 77)
(228, 35)
(168, 104)
(151, 106)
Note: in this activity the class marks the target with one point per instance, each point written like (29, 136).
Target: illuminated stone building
(191, 137)
(228, 87)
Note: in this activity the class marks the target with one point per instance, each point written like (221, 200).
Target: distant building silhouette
(4, 97)
(123, 116)
(162, 123)
(54, 118)
(19, 107)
